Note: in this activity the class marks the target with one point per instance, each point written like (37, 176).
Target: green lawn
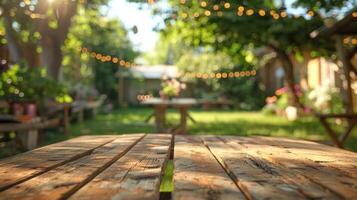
(131, 120)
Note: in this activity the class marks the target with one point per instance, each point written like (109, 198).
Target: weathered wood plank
(342, 160)
(198, 175)
(331, 178)
(136, 175)
(307, 188)
(62, 181)
(325, 155)
(254, 176)
(24, 166)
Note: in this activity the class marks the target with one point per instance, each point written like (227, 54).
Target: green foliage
(237, 36)
(283, 101)
(245, 90)
(325, 99)
(99, 34)
(169, 90)
(29, 84)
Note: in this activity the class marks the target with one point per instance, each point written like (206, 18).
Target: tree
(227, 25)
(45, 25)
(98, 34)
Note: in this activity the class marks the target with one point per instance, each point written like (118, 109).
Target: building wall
(322, 72)
(317, 72)
(133, 88)
(272, 76)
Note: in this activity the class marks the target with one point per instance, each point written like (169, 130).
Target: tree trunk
(51, 55)
(303, 71)
(14, 47)
(288, 68)
(347, 68)
(53, 38)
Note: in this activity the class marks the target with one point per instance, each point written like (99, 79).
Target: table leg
(183, 120)
(149, 117)
(160, 120)
(191, 118)
(28, 138)
(331, 133)
(66, 122)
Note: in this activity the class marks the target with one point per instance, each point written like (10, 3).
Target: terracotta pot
(17, 109)
(31, 109)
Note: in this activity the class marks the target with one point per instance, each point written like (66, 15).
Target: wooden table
(205, 167)
(160, 107)
(338, 139)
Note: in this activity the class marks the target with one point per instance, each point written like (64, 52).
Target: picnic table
(205, 167)
(160, 108)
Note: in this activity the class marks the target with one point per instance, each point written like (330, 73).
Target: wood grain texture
(27, 165)
(254, 176)
(307, 160)
(306, 187)
(62, 181)
(343, 160)
(198, 175)
(137, 175)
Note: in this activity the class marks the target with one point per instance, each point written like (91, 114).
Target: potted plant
(171, 88)
(27, 88)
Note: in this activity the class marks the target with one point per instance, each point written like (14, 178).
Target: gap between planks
(198, 175)
(289, 176)
(66, 179)
(257, 178)
(34, 171)
(137, 175)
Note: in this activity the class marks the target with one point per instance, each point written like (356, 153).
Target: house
(143, 80)
(343, 33)
(309, 73)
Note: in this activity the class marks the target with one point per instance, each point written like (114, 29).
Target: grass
(131, 120)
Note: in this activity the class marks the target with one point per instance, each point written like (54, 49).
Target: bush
(23, 84)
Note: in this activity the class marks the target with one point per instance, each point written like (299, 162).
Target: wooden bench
(205, 167)
(28, 131)
(93, 106)
(79, 107)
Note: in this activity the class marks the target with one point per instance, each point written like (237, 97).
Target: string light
(224, 75)
(107, 58)
(143, 97)
(207, 13)
(203, 3)
(216, 7)
(241, 10)
(283, 14)
(227, 5)
(151, 1)
(250, 12)
(350, 40)
(261, 12)
(354, 14)
(310, 13)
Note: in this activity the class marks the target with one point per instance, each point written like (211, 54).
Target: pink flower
(307, 110)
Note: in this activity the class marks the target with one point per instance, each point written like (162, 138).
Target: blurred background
(285, 68)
